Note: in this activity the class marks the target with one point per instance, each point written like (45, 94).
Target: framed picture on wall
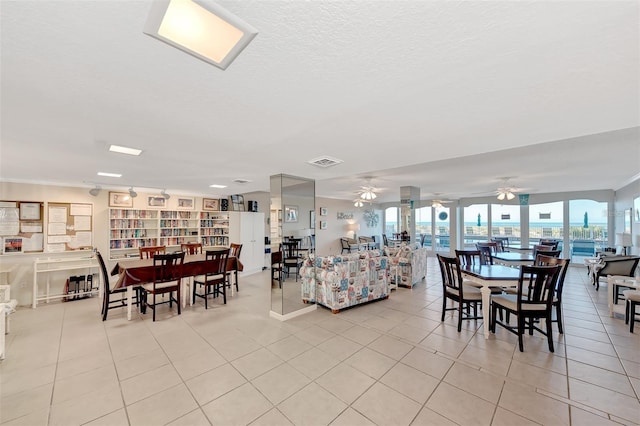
(186, 203)
(120, 199)
(323, 224)
(156, 201)
(323, 211)
(636, 209)
(211, 204)
(290, 214)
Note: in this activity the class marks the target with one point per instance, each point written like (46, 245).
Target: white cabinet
(247, 228)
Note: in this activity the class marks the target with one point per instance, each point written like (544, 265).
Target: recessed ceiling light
(200, 28)
(217, 186)
(105, 174)
(125, 150)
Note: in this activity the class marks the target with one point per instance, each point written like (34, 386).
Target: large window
(546, 222)
(476, 224)
(587, 227)
(443, 226)
(505, 222)
(423, 226)
(391, 221)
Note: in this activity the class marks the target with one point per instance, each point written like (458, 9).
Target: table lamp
(355, 227)
(623, 240)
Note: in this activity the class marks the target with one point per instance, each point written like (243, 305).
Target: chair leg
(460, 315)
(559, 317)
(179, 299)
(632, 314)
(444, 307)
(627, 308)
(549, 332)
(520, 333)
(154, 307)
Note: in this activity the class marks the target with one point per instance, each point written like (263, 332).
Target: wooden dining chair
(234, 251)
(167, 279)
(291, 258)
(455, 289)
(214, 282)
(191, 248)
(150, 251)
(543, 260)
(276, 266)
(487, 250)
(532, 303)
(109, 301)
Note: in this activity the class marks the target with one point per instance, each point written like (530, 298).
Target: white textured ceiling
(446, 96)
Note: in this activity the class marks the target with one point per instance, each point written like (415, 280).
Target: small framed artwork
(237, 202)
(323, 224)
(156, 201)
(120, 199)
(210, 204)
(186, 203)
(13, 245)
(290, 214)
(323, 211)
(636, 209)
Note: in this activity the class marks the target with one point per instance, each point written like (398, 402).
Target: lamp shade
(353, 227)
(623, 240)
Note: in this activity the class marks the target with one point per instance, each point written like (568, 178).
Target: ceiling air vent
(325, 161)
(241, 181)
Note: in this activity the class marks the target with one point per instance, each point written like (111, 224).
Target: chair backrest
(545, 250)
(219, 259)
(385, 241)
(553, 243)
(536, 286)
(500, 243)
(543, 260)
(469, 257)
(487, 250)
(167, 267)
(404, 236)
(235, 250)
(451, 274)
(422, 238)
(344, 243)
(103, 271)
(290, 249)
(276, 258)
(151, 251)
(191, 248)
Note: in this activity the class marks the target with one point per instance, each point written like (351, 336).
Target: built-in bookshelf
(130, 229)
(178, 227)
(214, 228)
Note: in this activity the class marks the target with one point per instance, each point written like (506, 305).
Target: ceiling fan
(507, 191)
(439, 201)
(438, 204)
(368, 193)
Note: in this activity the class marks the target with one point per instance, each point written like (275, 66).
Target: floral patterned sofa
(408, 263)
(339, 282)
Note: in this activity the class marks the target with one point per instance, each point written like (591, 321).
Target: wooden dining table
(489, 276)
(134, 272)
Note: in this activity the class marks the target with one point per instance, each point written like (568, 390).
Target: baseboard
(294, 314)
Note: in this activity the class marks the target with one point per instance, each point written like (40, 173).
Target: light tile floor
(390, 362)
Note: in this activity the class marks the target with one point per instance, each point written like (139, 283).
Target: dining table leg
(129, 301)
(486, 309)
